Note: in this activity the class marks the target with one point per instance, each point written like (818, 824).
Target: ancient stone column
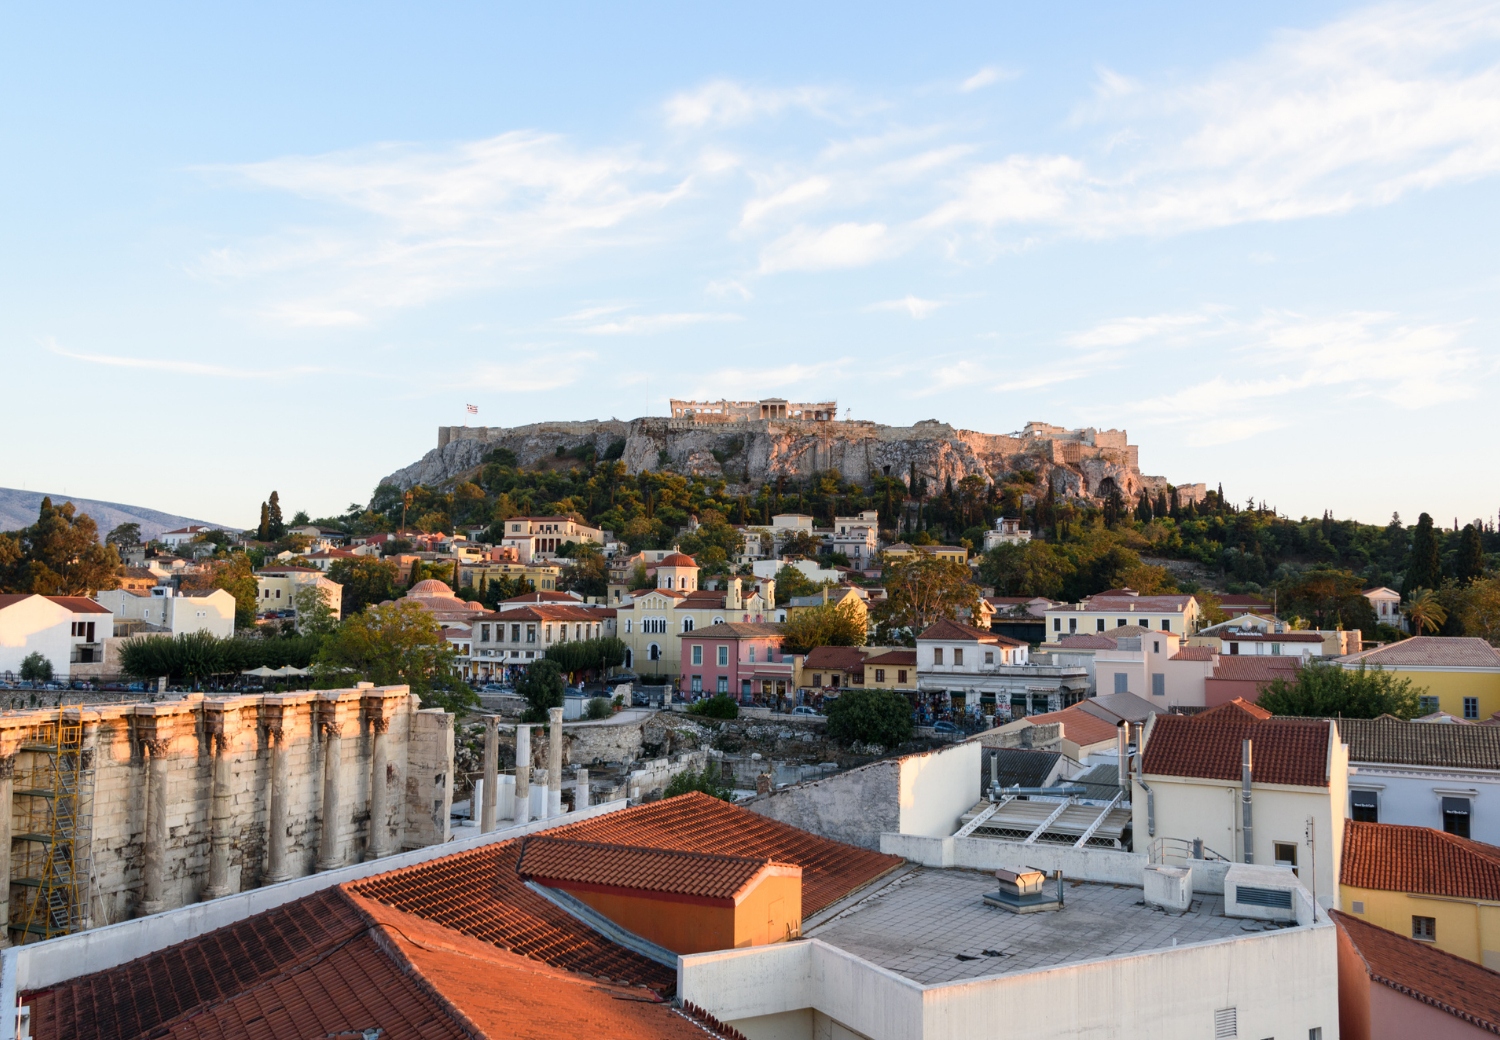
(276, 807)
(380, 792)
(554, 763)
(581, 790)
(154, 877)
(491, 773)
(523, 773)
(328, 844)
(220, 808)
(7, 788)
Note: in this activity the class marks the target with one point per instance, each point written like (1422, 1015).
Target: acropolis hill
(751, 442)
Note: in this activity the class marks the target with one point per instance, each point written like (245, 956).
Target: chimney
(1245, 770)
(1121, 740)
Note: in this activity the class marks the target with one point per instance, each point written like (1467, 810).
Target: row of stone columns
(489, 811)
(155, 746)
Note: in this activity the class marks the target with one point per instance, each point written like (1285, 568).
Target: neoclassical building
(652, 621)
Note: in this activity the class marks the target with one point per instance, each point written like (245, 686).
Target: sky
(275, 247)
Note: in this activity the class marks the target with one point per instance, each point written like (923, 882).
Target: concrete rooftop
(933, 926)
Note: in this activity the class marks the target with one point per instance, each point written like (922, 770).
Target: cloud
(916, 307)
(725, 103)
(1121, 332)
(639, 324)
(803, 191)
(843, 245)
(984, 77)
(552, 370)
(794, 378)
(185, 368)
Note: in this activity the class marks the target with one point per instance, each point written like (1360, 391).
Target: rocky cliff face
(1077, 463)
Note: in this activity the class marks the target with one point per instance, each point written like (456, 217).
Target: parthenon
(766, 408)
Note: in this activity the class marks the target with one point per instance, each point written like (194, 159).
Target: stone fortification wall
(198, 798)
(746, 453)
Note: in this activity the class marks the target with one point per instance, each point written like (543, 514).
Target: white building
(276, 590)
(66, 630)
(1175, 612)
(1386, 603)
(1005, 532)
(767, 569)
(540, 537)
(857, 537)
(182, 535)
(970, 666)
(1424, 774)
(178, 612)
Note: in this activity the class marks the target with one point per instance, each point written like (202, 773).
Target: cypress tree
(1143, 509)
(1469, 566)
(1424, 567)
(263, 532)
(275, 527)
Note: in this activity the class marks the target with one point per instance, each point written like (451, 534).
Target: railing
(1181, 851)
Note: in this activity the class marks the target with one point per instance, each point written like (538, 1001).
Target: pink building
(743, 659)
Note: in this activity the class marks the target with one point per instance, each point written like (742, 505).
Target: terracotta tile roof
(1429, 651)
(703, 875)
(952, 630)
(1239, 708)
(1256, 667)
(1078, 725)
(697, 823)
(1284, 751)
(1123, 599)
(1389, 739)
(77, 604)
(545, 612)
(894, 658)
(677, 559)
(1086, 641)
(1423, 972)
(836, 658)
(543, 597)
(1395, 858)
(735, 630)
(1270, 637)
(1193, 653)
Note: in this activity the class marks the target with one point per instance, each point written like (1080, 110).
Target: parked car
(804, 709)
(946, 727)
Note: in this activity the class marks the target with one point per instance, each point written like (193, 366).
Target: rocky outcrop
(1076, 463)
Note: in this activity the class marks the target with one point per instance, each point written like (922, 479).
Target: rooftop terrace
(933, 926)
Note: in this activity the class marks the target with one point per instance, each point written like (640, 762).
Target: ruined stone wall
(854, 807)
(215, 760)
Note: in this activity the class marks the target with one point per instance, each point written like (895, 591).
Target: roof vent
(1024, 892)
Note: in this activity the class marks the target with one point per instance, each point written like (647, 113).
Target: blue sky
(277, 247)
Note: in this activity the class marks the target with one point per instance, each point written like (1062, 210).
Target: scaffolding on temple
(54, 796)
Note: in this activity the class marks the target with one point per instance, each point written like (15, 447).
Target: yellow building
(1458, 675)
(478, 575)
(892, 670)
(956, 553)
(1426, 885)
(840, 595)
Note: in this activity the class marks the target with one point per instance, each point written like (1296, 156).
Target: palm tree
(1423, 611)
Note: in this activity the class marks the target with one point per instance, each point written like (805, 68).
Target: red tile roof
(703, 875)
(1431, 651)
(77, 604)
(953, 630)
(1256, 667)
(1078, 725)
(1422, 972)
(735, 630)
(836, 659)
(1125, 599)
(1086, 641)
(1283, 751)
(677, 559)
(1238, 709)
(1193, 653)
(894, 658)
(545, 612)
(1395, 858)
(698, 823)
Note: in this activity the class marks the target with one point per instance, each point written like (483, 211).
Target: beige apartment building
(652, 621)
(539, 537)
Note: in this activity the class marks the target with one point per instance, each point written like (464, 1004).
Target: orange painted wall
(765, 914)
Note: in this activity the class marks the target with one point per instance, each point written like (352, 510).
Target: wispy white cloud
(797, 379)
(804, 190)
(1120, 332)
(640, 324)
(985, 77)
(915, 306)
(528, 371)
(822, 249)
(175, 366)
(726, 103)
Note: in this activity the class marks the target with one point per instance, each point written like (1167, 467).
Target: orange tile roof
(703, 875)
(953, 630)
(835, 658)
(1431, 651)
(1284, 751)
(697, 823)
(1256, 667)
(1078, 725)
(1423, 972)
(892, 658)
(1395, 858)
(1193, 653)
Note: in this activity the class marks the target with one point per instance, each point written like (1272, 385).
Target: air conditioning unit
(1168, 887)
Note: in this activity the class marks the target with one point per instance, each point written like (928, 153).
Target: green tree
(598, 708)
(236, 576)
(792, 582)
(366, 581)
(1424, 567)
(275, 527)
(124, 535)
(1479, 609)
(1425, 612)
(1331, 691)
(833, 624)
(922, 589)
(719, 706)
(711, 781)
(542, 686)
(400, 643)
(59, 555)
(1329, 597)
(314, 612)
(586, 572)
(36, 668)
(587, 655)
(870, 717)
(1468, 566)
(639, 579)
(263, 531)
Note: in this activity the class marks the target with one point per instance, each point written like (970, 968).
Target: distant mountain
(20, 508)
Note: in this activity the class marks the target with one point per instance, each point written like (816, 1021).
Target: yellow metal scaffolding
(54, 796)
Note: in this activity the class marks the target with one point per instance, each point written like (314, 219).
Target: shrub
(711, 782)
(869, 717)
(1328, 690)
(719, 706)
(36, 668)
(598, 708)
(542, 686)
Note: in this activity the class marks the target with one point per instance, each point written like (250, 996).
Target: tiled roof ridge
(717, 857)
(1473, 873)
(380, 934)
(1459, 965)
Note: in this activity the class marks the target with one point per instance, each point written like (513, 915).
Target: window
(880, 675)
(1166, 626)
(1099, 625)
(1226, 1026)
(1122, 682)
(653, 652)
(752, 653)
(745, 688)
(531, 633)
(901, 675)
(1286, 854)
(1315, 1033)
(1363, 807)
(1471, 707)
(817, 679)
(697, 654)
(1359, 906)
(958, 655)
(687, 624)
(1456, 816)
(937, 655)
(1057, 624)
(697, 684)
(484, 633)
(1156, 646)
(1158, 685)
(1427, 705)
(723, 657)
(1120, 622)
(1072, 624)
(723, 684)
(1424, 928)
(515, 633)
(989, 657)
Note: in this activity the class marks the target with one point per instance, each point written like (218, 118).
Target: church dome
(678, 559)
(430, 587)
